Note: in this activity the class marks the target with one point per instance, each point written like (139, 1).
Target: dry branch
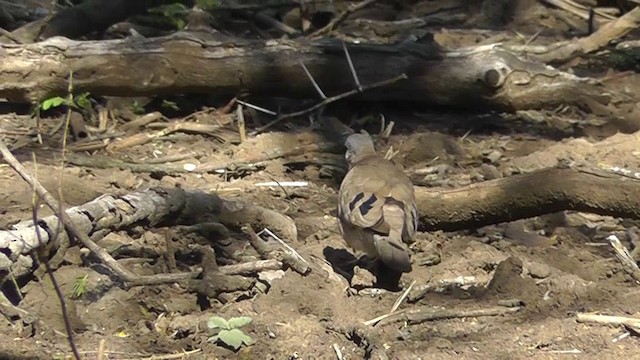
(250, 267)
(297, 263)
(422, 314)
(632, 323)
(183, 63)
(333, 24)
(627, 261)
(605, 35)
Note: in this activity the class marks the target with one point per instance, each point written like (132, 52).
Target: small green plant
(230, 333)
(207, 4)
(170, 105)
(175, 13)
(80, 285)
(80, 101)
(137, 108)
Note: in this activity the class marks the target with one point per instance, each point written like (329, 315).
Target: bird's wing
(368, 187)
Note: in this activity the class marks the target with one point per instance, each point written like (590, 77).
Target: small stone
(429, 260)
(494, 156)
(269, 275)
(362, 278)
(490, 172)
(511, 302)
(538, 271)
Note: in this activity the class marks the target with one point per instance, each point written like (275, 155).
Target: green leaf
(239, 321)
(216, 322)
(207, 4)
(83, 101)
(213, 339)
(234, 338)
(180, 24)
(53, 102)
(170, 105)
(80, 285)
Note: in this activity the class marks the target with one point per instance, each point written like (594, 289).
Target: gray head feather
(358, 145)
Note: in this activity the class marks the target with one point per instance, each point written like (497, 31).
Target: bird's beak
(348, 156)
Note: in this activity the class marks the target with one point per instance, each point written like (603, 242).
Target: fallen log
(484, 77)
(528, 195)
(154, 207)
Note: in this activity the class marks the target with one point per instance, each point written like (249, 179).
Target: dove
(376, 208)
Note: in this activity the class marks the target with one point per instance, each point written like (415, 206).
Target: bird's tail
(391, 249)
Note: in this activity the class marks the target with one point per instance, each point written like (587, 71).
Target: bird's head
(359, 146)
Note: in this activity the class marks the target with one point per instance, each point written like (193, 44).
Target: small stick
(340, 18)
(628, 263)
(42, 259)
(292, 250)
(632, 323)
(572, 351)
(313, 81)
(283, 183)
(242, 128)
(168, 158)
(338, 352)
(420, 291)
(255, 107)
(351, 67)
(383, 124)
(396, 305)
(250, 267)
(263, 249)
(188, 127)
(182, 355)
(323, 102)
(391, 153)
(422, 314)
(141, 121)
(622, 336)
(387, 131)
(103, 120)
(382, 317)
(101, 346)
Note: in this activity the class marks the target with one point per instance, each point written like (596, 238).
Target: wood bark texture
(185, 62)
(154, 207)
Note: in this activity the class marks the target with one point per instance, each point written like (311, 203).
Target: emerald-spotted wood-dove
(376, 209)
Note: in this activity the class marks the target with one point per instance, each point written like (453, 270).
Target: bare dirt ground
(295, 317)
(309, 317)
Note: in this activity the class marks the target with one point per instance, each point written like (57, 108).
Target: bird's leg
(365, 261)
(386, 278)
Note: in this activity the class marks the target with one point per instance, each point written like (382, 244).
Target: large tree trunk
(184, 63)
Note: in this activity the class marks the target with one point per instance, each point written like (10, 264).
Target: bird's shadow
(342, 261)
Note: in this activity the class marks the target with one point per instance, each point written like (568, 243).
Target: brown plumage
(376, 209)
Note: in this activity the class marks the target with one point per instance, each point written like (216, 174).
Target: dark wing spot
(367, 205)
(353, 202)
